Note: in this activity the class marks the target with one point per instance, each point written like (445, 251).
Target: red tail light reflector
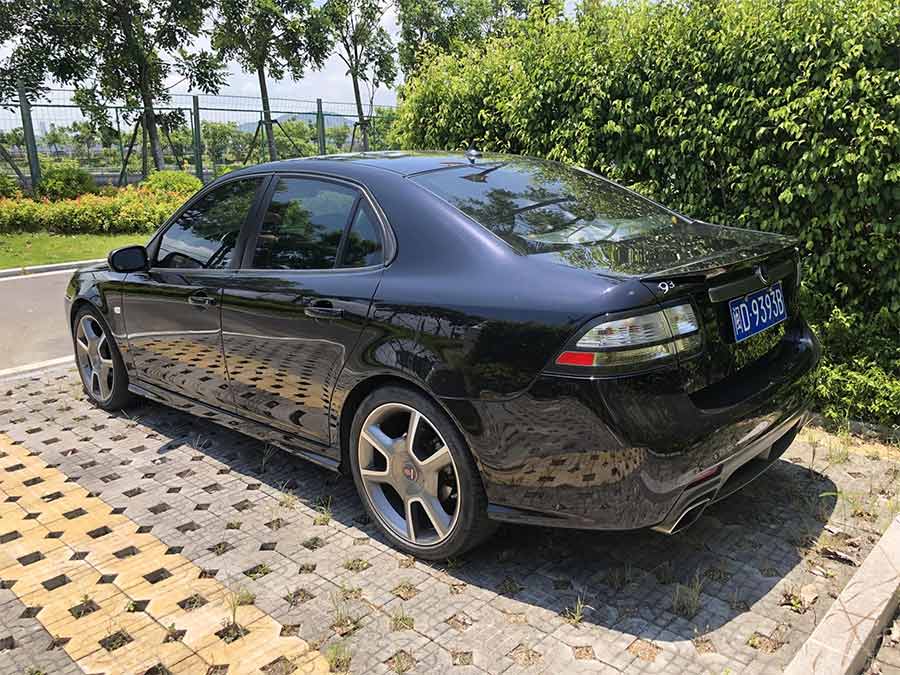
(575, 359)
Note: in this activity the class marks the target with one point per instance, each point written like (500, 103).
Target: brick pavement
(733, 593)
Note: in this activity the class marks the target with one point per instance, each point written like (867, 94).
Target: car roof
(402, 162)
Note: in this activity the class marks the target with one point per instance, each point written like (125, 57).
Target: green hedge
(131, 209)
(781, 115)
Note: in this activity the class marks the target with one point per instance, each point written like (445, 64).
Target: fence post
(30, 142)
(198, 150)
(320, 126)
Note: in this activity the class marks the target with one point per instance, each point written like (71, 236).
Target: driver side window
(205, 234)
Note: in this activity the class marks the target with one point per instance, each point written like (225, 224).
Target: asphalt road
(32, 325)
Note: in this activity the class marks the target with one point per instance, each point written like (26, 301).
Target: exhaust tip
(688, 517)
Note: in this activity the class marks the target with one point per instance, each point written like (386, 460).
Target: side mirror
(128, 259)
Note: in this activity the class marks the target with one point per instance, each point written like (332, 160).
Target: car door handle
(323, 310)
(202, 299)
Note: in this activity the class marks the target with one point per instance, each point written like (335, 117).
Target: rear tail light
(636, 340)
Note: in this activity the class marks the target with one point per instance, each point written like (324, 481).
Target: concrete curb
(39, 269)
(847, 634)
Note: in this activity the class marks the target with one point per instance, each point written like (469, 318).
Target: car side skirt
(301, 448)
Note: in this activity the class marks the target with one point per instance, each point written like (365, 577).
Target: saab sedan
(474, 338)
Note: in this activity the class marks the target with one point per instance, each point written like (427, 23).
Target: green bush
(131, 209)
(177, 182)
(9, 186)
(780, 115)
(65, 180)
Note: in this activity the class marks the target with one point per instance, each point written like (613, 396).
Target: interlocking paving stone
(510, 597)
(93, 604)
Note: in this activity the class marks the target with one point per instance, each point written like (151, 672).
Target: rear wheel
(99, 362)
(415, 475)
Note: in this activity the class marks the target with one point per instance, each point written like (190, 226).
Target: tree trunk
(359, 113)
(152, 132)
(267, 113)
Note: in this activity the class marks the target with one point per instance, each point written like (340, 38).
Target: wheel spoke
(410, 527)
(103, 379)
(376, 476)
(82, 343)
(379, 440)
(436, 514)
(414, 417)
(438, 460)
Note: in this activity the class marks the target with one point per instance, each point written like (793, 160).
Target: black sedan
(474, 338)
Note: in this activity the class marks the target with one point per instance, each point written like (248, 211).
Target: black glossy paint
(462, 315)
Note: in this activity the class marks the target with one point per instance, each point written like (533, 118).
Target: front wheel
(99, 362)
(415, 475)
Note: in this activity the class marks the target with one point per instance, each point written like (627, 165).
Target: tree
(54, 137)
(440, 24)
(218, 138)
(294, 138)
(85, 137)
(109, 50)
(363, 45)
(271, 37)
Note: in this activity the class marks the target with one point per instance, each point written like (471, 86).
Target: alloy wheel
(409, 474)
(95, 359)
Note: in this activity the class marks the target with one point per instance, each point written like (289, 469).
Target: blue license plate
(757, 311)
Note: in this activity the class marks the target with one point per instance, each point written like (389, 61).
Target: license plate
(757, 311)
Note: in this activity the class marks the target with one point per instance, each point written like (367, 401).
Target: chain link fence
(203, 134)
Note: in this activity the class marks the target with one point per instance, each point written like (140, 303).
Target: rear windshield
(539, 206)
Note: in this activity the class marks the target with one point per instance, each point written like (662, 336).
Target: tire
(398, 487)
(100, 365)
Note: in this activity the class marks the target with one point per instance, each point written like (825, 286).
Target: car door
(172, 311)
(296, 308)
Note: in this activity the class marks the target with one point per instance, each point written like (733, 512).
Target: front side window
(204, 236)
(363, 245)
(303, 226)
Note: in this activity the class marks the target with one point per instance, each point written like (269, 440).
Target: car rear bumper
(630, 452)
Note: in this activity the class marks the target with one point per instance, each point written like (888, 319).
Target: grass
(686, 599)
(400, 620)
(575, 615)
(22, 249)
(338, 657)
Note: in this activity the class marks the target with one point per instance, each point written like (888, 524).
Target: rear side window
(204, 236)
(303, 225)
(363, 244)
(538, 206)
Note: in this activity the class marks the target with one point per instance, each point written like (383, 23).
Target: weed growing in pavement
(400, 620)
(620, 577)
(267, 453)
(838, 454)
(664, 572)
(344, 623)
(338, 657)
(575, 615)
(357, 565)
(323, 511)
(288, 500)
(686, 599)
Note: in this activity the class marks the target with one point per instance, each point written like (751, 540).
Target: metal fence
(205, 135)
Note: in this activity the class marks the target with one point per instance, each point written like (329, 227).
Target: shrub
(65, 180)
(779, 115)
(131, 209)
(177, 182)
(9, 186)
